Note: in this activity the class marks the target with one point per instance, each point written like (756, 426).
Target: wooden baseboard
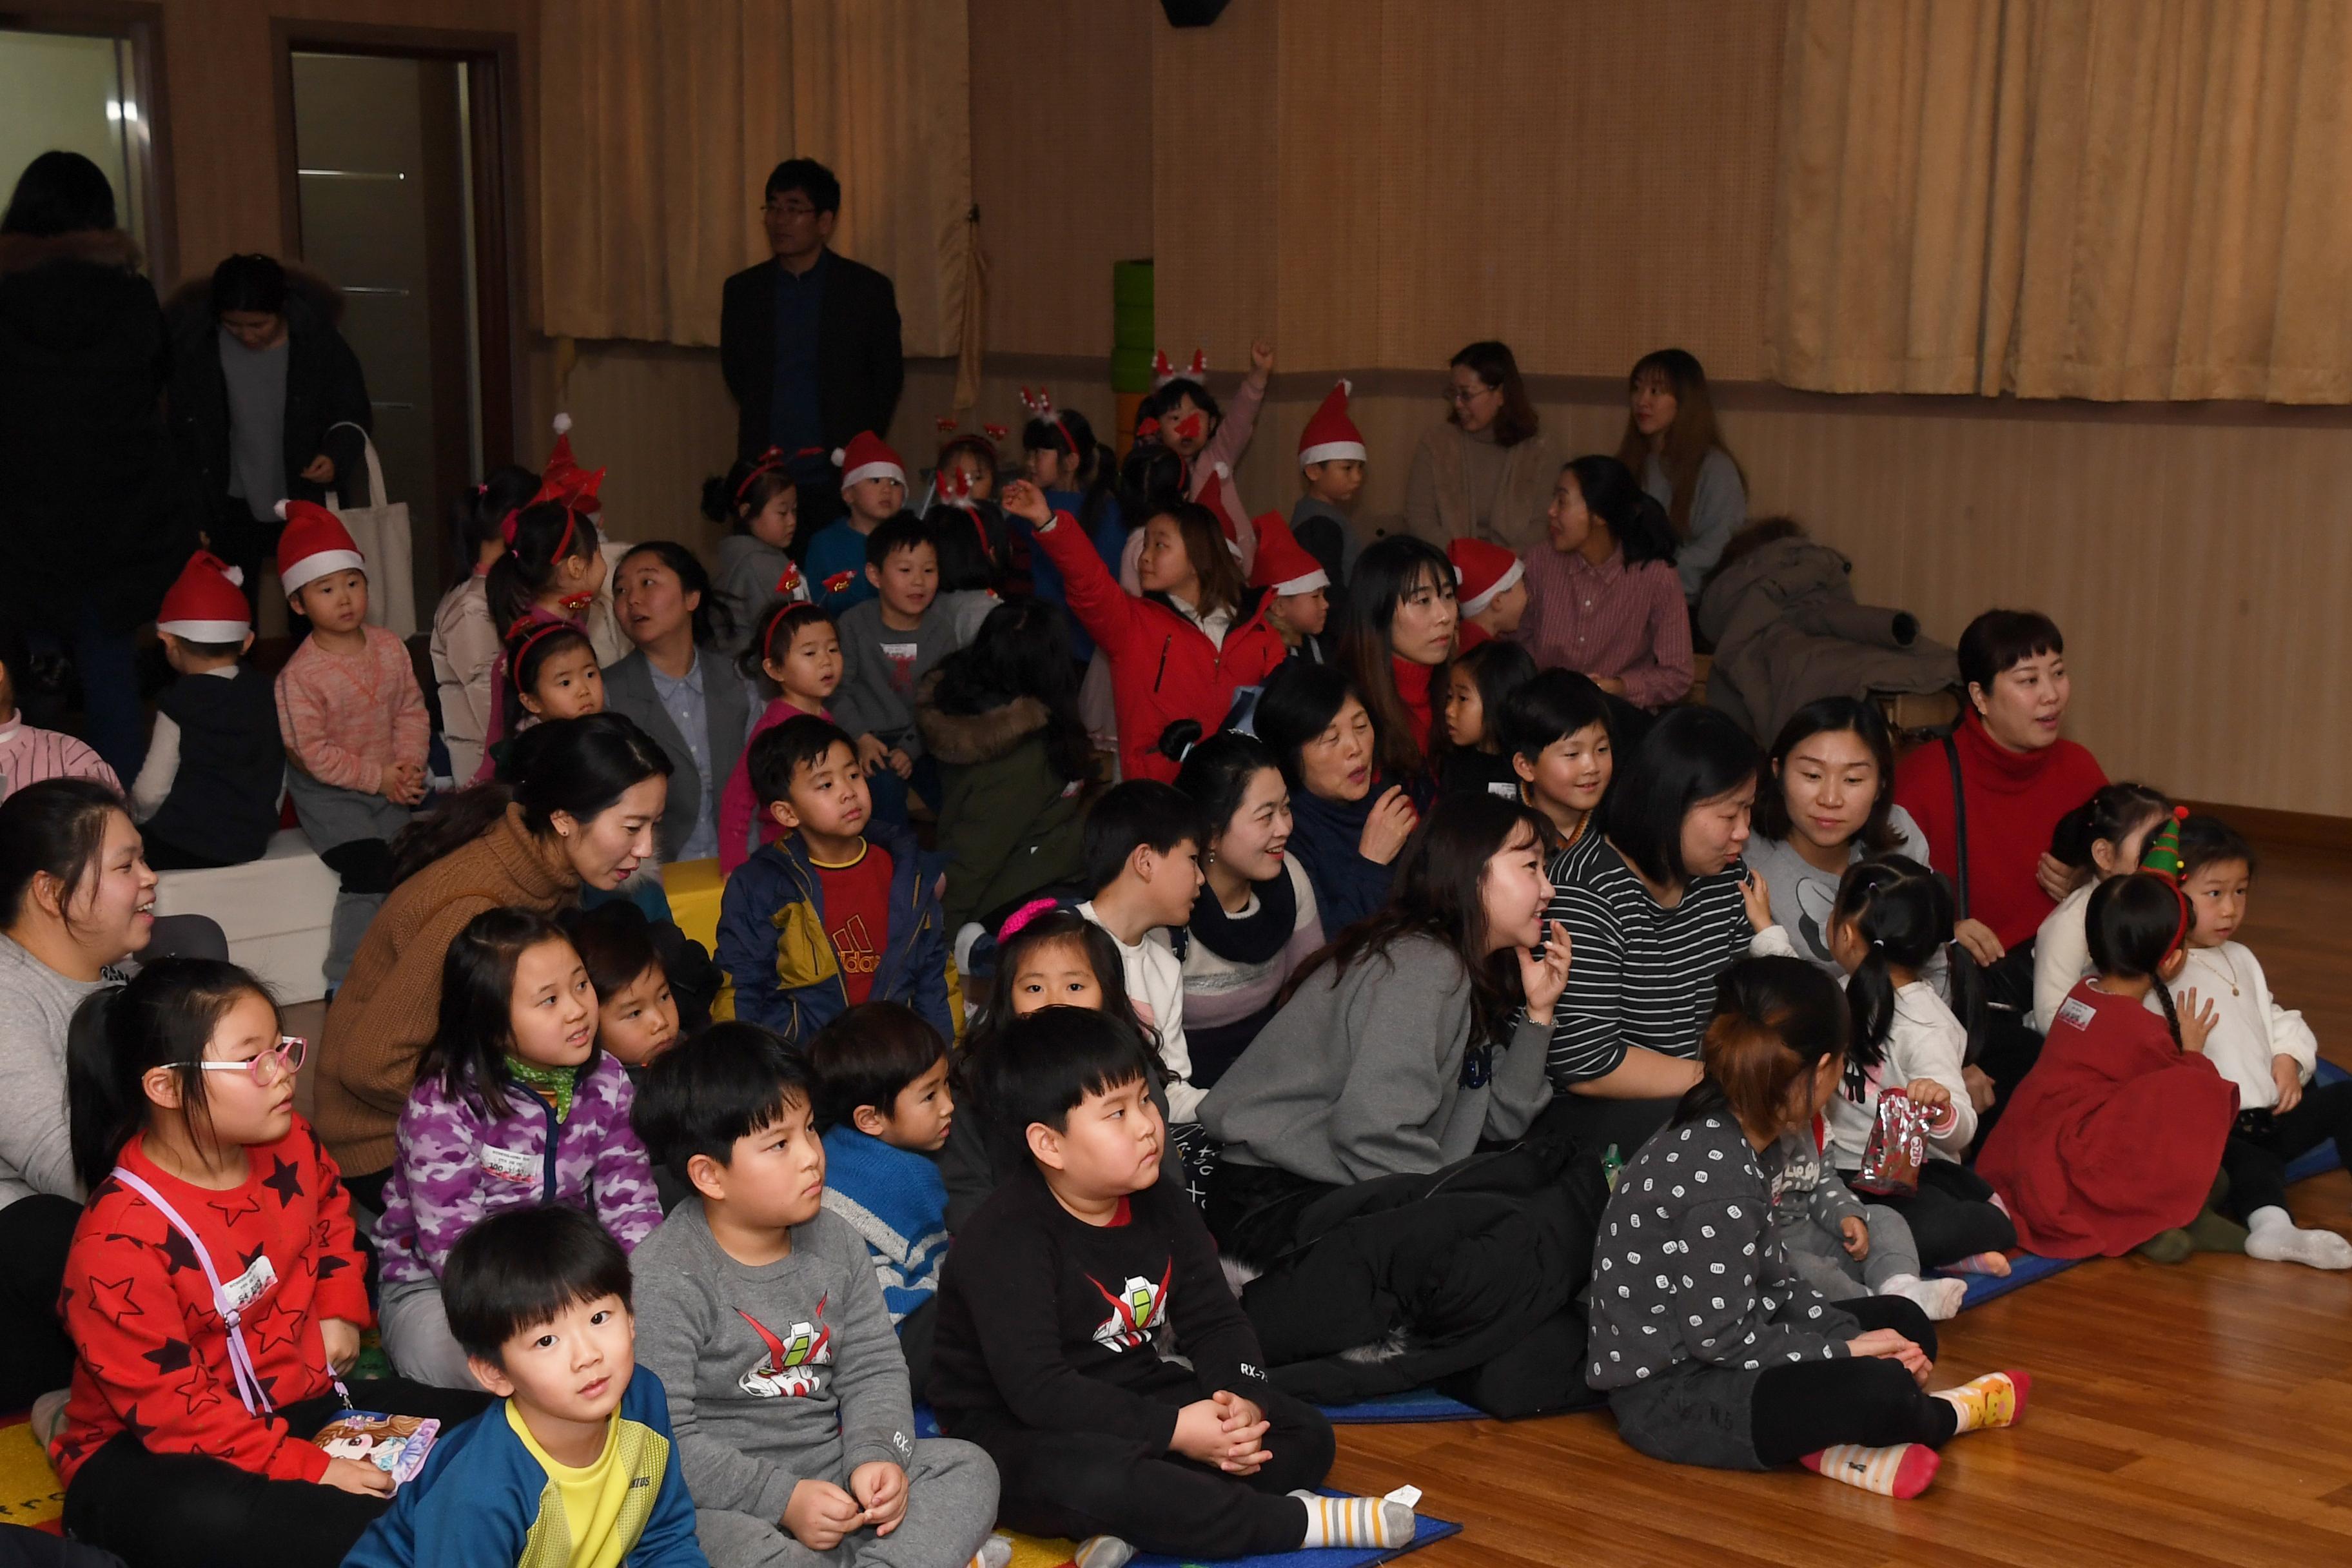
(2287, 829)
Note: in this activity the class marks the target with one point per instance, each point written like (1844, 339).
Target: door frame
(140, 24)
(495, 137)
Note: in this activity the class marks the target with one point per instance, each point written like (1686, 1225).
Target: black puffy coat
(93, 510)
(324, 387)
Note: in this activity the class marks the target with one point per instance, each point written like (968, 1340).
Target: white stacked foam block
(274, 911)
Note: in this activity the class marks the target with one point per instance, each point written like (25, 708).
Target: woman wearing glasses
(1486, 472)
(74, 896)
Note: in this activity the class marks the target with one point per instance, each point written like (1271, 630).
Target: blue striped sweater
(896, 1200)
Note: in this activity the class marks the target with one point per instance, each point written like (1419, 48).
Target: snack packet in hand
(1897, 1147)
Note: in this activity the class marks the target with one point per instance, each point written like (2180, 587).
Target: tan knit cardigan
(390, 1003)
(1438, 476)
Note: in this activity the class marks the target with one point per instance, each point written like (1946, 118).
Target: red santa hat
(563, 480)
(207, 603)
(1331, 436)
(1482, 571)
(1283, 563)
(1217, 495)
(314, 543)
(868, 457)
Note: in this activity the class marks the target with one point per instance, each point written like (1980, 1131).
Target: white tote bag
(381, 531)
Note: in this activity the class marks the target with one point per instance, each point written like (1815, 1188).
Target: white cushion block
(275, 912)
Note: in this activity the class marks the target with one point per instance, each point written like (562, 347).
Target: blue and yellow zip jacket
(772, 940)
(483, 1501)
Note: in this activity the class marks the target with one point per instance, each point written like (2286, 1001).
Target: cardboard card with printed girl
(396, 1445)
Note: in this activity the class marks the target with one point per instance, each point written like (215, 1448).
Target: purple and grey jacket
(455, 1167)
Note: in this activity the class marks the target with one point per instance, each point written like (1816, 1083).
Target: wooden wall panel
(2196, 560)
(1061, 163)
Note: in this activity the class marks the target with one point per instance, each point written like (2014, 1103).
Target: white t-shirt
(1155, 984)
(1926, 1040)
(2062, 955)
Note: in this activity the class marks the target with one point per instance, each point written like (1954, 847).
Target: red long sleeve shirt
(154, 1357)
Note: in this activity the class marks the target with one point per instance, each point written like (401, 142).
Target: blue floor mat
(1413, 1404)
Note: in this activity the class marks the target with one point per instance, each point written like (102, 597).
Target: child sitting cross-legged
(187, 1435)
(886, 1106)
(764, 1318)
(1749, 1368)
(839, 911)
(207, 793)
(575, 1466)
(514, 1104)
(1064, 1302)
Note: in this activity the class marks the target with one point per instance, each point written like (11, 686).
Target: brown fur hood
(967, 738)
(193, 299)
(99, 246)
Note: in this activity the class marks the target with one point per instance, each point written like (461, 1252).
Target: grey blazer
(629, 688)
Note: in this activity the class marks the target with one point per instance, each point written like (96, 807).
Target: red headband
(512, 523)
(522, 648)
(768, 462)
(775, 618)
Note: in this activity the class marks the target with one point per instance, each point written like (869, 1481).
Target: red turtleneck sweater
(2015, 799)
(1412, 686)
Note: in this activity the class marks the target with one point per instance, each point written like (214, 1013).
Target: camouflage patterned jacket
(457, 1165)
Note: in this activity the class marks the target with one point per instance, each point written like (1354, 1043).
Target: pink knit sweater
(344, 717)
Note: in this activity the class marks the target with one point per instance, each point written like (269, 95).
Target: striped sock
(994, 1553)
(1359, 1520)
(1996, 1399)
(1902, 1472)
(1099, 1552)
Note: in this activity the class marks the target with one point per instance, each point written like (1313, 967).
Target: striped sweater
(344, 718)
(1644, 975)
(895, 1201)
(28, 755)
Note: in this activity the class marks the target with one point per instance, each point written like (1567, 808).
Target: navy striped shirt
(1641, 974)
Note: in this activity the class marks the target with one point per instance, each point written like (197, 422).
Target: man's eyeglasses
(789, 209)
(283, 1060)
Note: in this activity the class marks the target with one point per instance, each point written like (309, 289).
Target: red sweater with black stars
(154, 1352)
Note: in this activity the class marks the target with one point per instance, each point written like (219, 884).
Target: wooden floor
(2190, 1415)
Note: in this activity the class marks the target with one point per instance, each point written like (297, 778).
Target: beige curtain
(660, 121)
(2066, 198)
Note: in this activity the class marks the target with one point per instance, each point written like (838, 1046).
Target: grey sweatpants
(331, 818)
(950, 1508)
(416, 1335)
(1821, 1260)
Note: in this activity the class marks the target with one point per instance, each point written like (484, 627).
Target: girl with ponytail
(2100, 838)
(215, 1290)
(758, 502)
(465, 644)
(1892, 919)
(2114, 1142)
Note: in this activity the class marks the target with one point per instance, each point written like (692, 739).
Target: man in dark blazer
(809, 341)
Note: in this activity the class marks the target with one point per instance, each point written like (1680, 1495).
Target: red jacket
(2015, 799)
(2114, 1135)
(154, 1354)
(1163, 667)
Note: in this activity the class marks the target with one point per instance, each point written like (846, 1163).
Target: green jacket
(1009, 823)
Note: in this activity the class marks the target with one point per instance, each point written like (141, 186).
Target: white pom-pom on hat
(563, 423)
(840, 456)
(1346, 386)
(236, 575)
(281, 509)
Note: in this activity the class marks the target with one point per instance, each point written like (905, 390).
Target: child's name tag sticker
(1507, 790)
(250, 1287)
(2076, 1012)
(510, 1164)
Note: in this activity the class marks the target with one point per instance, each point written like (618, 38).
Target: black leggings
(2256, 1156)
(187, 1511)
(363, 864)
(1805, 1406)
(1951, 1215)
(35, 1232)
(1077, 1484)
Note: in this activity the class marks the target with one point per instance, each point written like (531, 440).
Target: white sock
(1359, 1520)
(1096, 1551)
(1939, 1298)
(2271, 1235)
(994, 1553)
